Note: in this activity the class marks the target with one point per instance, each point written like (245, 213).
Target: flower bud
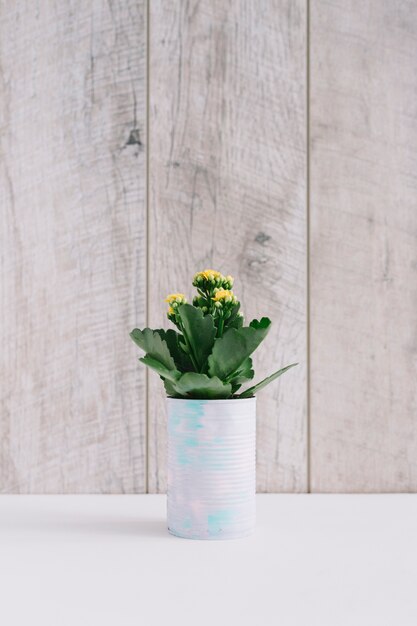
(227, 282)
(174, 300)
(224, 297)
(207, 280)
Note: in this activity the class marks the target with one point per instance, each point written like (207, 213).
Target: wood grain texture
(363, 246)
(228, 190)
(72, 245)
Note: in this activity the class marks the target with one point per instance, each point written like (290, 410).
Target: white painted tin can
(211, 468)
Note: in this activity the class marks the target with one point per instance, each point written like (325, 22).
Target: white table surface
(314, 560)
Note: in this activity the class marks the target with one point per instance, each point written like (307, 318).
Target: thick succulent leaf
(175, 342)
(236, 345)
(237, 322)
(253, 390)
(152, 343)
(234, 311)
(141, 337)
(171, 389)
(199, 332)
(263, 324)
(234, 321)
(244, 373)
(170, 374)
(193, 385)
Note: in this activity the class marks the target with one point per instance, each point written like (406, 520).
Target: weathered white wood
(72, 245)
(363, 246)
(228, 190)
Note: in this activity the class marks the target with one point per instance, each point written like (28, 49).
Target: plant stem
(220, 327)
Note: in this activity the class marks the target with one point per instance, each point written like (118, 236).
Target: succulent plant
(208, 356)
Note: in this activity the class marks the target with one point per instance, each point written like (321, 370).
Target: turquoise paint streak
(217, 521)
(186, 420)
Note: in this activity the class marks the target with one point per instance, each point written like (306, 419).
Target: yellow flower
(224, 295)
(176, 298)
(210, 275)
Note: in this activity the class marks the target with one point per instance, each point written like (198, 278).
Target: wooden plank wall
(363, 221)
(228, 190)
(73, 224)
(281, 150)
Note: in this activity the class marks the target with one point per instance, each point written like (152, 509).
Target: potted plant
(203, 363)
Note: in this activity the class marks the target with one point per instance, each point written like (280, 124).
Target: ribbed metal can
(211, 468)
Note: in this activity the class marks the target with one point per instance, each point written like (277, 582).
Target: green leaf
(234, 321)
(237, 322)
(175, 341)
(236, 345)
(244, 372)
(151, 342)
(263, 324)
(171, 389)
(170, 374)
(252, 390)
(193, 385)
(199, 333)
